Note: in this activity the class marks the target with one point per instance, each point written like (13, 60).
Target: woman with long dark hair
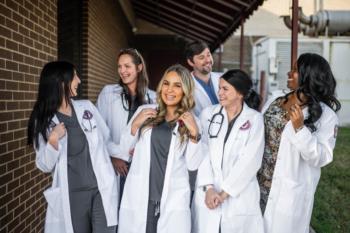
(300, 134)
(227, 194)
(165, 138)
(117, 103)
(72, 142)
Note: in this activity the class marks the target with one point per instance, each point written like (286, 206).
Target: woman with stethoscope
(227, 192)
(72, 142)
(118, 102)
(166, 142)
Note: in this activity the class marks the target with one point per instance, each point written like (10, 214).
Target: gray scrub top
(160, 144)
(81, 175)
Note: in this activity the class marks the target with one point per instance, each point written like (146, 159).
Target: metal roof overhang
(212, 21)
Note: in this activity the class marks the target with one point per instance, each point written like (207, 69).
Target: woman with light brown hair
(166, 142)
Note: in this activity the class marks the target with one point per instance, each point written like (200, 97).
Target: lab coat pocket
(54, 208)
(291, 199)
(131, 198)
(179, 194)
(247, 203)
(107, 178)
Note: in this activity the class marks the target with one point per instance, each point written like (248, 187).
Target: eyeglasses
(215, 124)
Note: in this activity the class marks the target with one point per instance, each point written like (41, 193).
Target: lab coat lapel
(240, 121)
(199, 88)
(89, 130)
(217, 144)
(174, 147)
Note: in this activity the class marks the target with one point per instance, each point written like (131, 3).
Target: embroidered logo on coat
(245, 126)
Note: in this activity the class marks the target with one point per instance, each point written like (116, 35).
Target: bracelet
(195, 138)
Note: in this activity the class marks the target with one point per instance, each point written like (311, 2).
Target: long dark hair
(244, 85)
(142, 77)
(317, 83)
(54, 87)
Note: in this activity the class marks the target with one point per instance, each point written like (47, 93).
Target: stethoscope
(215, 124)
(125, 102)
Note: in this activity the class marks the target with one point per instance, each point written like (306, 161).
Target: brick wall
(105, 33)
(27, 41)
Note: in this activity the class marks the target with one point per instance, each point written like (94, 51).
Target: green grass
(331, 212)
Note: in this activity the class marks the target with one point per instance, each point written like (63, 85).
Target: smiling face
(203, 62)
(293, 78)
(128, 70)
(228, 95)
(74, 85)
(171, 91)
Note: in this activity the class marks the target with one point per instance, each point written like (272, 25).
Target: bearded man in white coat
(206, 82)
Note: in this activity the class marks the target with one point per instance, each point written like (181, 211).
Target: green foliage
(331, 212)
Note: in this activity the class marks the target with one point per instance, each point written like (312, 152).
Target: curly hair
(186, 103)
(317, 83)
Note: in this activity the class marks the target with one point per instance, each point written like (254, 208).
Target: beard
(206, 70)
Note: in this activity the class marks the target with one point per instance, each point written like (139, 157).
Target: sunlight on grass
(331, 212)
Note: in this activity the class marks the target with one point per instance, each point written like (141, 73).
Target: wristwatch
(206, 187)
(196, 138)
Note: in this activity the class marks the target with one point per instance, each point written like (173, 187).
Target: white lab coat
(109, 104)
(48, 159)
(297, 172)
(231, 168)
(175, 214)
(201, 98)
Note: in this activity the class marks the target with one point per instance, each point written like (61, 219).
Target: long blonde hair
(186, 103)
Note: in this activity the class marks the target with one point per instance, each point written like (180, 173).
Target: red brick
(11, 45)
(12, 5)
(23, 49)
(20, 133)
(10, 187)
(6, 95)
(13, 124)
(17, 37)
(10, 147)
(17, 18)
(11, 86)
(6, 157)
(5, 179)
(3, 149)
(5, 11)
(12, 65)
(5, 53)
(11, 24)
(17, 76)
(18, 172)
(17, 57)
(6, 116)
(2, 108)
(5, 31)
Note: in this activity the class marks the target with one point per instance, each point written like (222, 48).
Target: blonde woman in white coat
(300, 133)
(227, 193)
(117, 103)
(166, 139)
(72, 142)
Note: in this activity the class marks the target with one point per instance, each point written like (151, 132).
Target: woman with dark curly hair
(300, 135)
